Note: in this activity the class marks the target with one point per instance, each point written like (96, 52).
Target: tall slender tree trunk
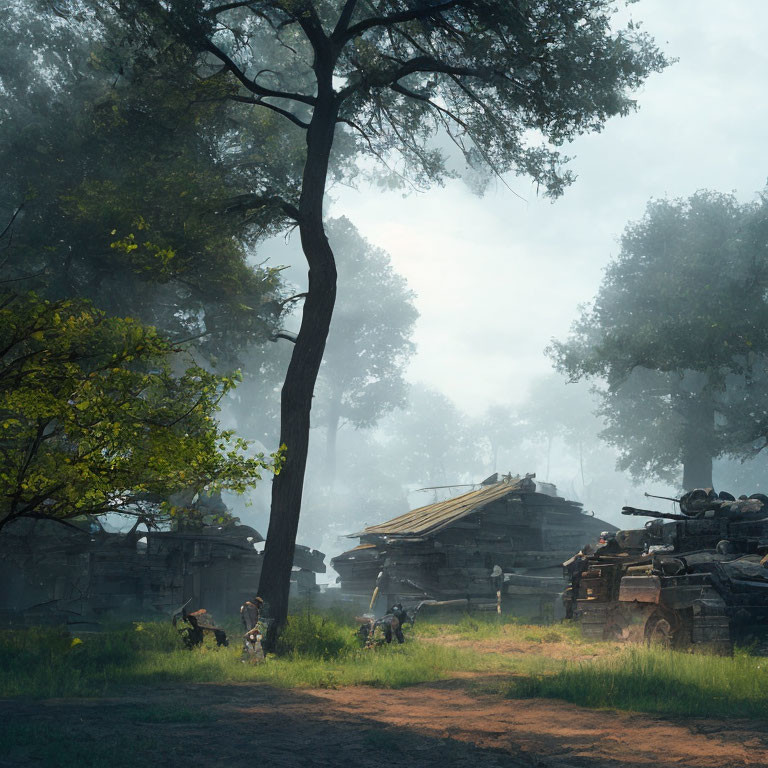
(299, 385)
(698, 443)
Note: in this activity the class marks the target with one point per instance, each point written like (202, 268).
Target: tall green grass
(323, 652)
(316, 652)
(659, 681)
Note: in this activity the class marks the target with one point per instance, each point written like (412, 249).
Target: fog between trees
(114, 153)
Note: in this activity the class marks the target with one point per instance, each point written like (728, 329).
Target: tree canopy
(94, 420)
(125, 175)
(679, 334)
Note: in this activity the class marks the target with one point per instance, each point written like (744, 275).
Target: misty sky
(497, 276)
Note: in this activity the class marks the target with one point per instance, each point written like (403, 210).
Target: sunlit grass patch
(317, 652)
(322, 652)
(490, 626)
(655, 680)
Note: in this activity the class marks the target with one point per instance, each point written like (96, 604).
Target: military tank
(694, 578)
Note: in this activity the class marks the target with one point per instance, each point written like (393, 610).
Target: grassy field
(316, 652)
(654, 680)
(322, 652)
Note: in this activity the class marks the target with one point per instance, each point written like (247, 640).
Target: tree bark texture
(298, 388)
(698, 444)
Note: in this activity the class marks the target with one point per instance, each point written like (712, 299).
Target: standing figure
(573, 568)
(250, 612)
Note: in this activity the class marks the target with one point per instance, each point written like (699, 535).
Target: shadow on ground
(233, 725)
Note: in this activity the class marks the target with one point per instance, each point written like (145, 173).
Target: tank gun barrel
(665, 498)
(652, 513)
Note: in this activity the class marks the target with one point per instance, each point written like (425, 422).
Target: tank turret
(698, 576)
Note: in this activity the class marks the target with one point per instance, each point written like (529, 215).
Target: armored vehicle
(697, 578)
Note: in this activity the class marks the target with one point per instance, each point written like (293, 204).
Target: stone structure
(52, 572)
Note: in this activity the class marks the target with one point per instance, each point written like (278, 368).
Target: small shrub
(314, 636)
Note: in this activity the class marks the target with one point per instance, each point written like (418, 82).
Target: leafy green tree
(127, 172)
(679, 333)
(93, 420)
(390, 76)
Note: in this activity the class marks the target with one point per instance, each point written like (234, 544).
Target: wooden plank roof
(434, 517)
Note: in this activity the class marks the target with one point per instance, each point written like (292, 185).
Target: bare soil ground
(552, 650)
(426, 726)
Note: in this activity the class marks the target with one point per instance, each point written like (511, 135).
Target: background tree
(501, 428)
(431, 442)
(492, 76)
(361, 376)
(679, 332)
(126, 172)
(92, 419)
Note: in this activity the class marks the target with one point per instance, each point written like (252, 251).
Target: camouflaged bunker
(509, 536)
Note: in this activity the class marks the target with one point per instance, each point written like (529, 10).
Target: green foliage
(507, 85)
(664, 682)
(93, 419)
(312, 636)
(129, 173)
(47, 663)
(679, 333)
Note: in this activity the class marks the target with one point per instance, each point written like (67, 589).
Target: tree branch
(343, 23)
(423, 64)
(10, 222)
(374, 152)
(280, 111)
(288, 335)
(216, 10)
(247, 82)
(419, 97)
(413, 14)
(249, 201)
(310, 23)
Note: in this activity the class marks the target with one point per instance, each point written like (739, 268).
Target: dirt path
(561, 650)
(427, 726)
(557, 734)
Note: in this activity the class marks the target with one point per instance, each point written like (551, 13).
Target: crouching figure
(194, 625)
(388, 626)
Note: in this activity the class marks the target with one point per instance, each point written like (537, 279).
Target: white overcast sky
(497, 277)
